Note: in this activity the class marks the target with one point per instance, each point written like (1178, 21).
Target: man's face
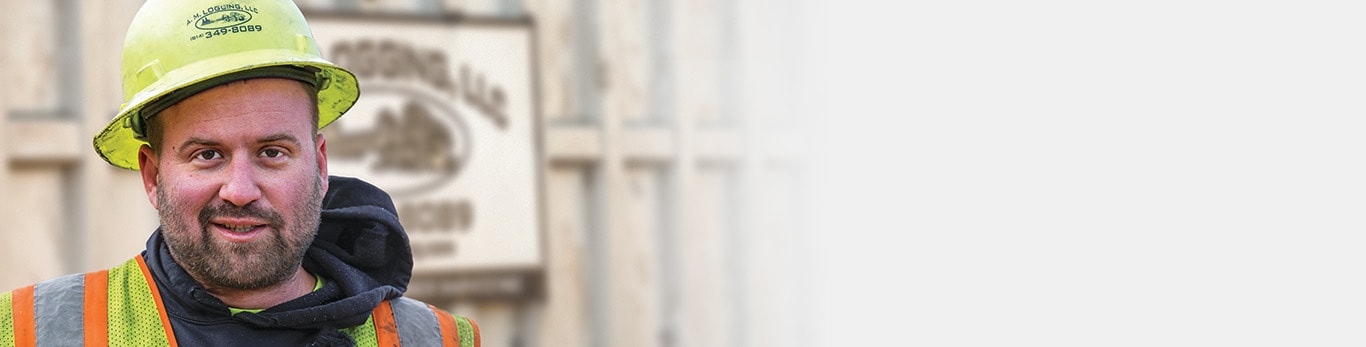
(238, 182)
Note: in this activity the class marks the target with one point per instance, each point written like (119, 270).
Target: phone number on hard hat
(232, 30)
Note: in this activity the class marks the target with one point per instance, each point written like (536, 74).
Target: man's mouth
(238, 228)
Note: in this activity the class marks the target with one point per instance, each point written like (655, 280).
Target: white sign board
(446, 124)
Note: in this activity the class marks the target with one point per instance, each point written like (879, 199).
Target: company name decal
(219, 20)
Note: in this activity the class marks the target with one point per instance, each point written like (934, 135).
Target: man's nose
(241, 186)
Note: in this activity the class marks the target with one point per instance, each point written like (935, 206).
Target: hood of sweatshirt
(361, 252)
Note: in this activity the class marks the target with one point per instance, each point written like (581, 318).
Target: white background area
(1083, 173)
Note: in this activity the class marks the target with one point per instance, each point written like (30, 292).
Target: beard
(267, 261)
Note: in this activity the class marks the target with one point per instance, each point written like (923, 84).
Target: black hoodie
(360, 251)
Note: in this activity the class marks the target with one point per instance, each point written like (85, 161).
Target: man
(257, 245)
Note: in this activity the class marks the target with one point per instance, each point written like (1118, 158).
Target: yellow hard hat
(176, 48)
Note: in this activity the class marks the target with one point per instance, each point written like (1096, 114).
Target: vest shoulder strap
(409, 322)
(134, 312)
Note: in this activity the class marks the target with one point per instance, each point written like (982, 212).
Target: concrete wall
(671, 181)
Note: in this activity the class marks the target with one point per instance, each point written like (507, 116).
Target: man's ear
(322, 159)
(147, 163)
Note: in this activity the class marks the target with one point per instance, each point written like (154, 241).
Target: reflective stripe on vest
(117, 305)
(97, 300)
(56, 303)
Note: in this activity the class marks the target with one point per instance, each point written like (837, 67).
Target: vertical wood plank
(565, 278)
(556, 37)
(117, 215)
(633, 189)
(635, 266)
(705, 202)
(31, 219)
(7, 254)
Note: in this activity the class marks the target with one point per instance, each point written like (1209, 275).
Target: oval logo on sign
(404, 139)
(405, 134)
(223, 19)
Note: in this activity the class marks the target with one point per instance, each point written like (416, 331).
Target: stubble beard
(242, 266)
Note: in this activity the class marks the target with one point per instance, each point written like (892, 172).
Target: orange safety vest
(121, 306)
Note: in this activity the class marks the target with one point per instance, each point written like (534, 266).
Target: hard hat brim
(338, 90)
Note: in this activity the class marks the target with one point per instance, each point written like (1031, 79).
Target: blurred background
(605, 172)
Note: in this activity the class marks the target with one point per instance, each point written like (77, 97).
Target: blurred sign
(446, 124)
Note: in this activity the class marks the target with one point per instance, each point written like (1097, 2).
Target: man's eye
(272, 153)
(208, 155)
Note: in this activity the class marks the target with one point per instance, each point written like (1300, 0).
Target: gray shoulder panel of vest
(59, 311)
(417, 325)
